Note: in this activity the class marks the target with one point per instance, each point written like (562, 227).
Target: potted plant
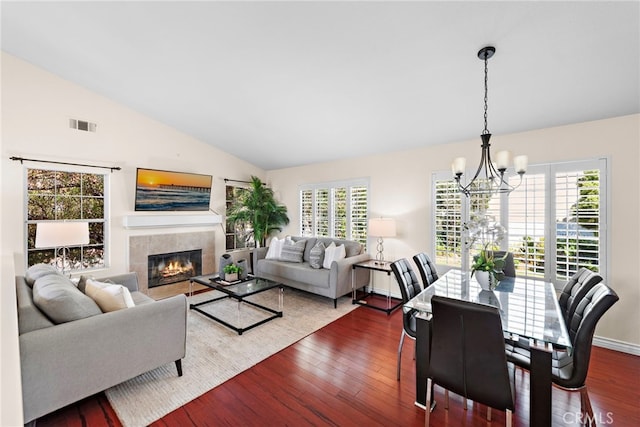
(259, 207)
(231, 272)
(488, 268)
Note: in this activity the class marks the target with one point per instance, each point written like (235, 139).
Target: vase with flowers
(487, 268)
(485, 232)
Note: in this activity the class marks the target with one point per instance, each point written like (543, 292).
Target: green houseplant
(259, 207)
(231, 272)
(485, 264)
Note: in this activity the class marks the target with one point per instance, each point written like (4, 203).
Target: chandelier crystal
(490, 177)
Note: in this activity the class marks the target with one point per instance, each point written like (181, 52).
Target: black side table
(383, 266)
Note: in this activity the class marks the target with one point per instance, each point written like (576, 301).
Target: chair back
(406, 278)
(509, 269)
(409, 287)
(576, 288)
(426, 268)
(581, 328)
(468, 352)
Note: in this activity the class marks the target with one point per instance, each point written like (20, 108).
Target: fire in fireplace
(173, 267)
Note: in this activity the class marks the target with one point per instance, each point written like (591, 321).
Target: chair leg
(179, 367)
(509, 418)
(585, 404)
(446, 399)
(400, 353)
(427, 411)
(488, 413)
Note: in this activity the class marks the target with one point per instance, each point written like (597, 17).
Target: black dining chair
(509, 269)
(426, 268)
(569, 369)
(409, 288)
(575, 289)
(468, 355)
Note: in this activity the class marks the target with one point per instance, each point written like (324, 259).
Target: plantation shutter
(322, 213)
(448, 220)
(306, 213)
(359, 214)
(339, 213)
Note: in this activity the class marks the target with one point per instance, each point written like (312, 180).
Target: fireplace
(164, 269)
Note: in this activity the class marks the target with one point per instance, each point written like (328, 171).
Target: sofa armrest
(70, 361)
(258, 254)
(340, 274)
(128, 280)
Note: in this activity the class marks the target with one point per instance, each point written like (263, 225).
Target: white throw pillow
(333, 253)
(109, 296)
(275, 248)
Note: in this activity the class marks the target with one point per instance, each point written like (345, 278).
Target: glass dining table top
(528, 307)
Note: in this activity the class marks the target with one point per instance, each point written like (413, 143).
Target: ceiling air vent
(82, 125)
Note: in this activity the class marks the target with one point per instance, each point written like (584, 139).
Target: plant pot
(486, 280)
(231, 277)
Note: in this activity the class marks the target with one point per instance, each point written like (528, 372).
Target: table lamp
(381, 227)
(61, 234)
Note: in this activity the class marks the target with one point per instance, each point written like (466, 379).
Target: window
(54, 195)
(337, 209)
(239, 234)
(555, 220)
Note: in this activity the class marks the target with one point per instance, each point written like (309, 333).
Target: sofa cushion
(61, 301)
(311, 241)
(302, 272)
(352, 248)
(37, 271)
(292, 251)
(30, 318)
(333, 253)
(316, 256)
(109, 296)
(275, 248)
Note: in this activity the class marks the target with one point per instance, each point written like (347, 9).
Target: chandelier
(489, 178)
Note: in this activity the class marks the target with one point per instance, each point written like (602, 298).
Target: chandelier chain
(486, 96)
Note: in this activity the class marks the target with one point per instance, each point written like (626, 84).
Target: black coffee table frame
(239, 291)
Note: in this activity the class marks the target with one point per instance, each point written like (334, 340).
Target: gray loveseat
(65, 361)
(332, 283)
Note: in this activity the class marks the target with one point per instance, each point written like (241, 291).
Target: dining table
(528, 308)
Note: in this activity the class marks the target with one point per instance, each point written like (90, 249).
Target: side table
(383, 266)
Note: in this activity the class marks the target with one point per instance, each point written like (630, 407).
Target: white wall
(401, 188)
(36, 107)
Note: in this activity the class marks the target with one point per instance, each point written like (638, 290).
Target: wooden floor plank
(345, 374)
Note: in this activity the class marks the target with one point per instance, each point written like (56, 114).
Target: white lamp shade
(56, 234)
(382, 227)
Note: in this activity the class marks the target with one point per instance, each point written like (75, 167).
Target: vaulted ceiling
(289, 83)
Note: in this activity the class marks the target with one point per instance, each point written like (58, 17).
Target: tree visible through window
(554, 220)
(239, 234)
(66, 196)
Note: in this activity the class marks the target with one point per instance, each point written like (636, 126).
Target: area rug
(216, 353)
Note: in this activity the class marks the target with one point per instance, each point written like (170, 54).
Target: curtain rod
(22, 159)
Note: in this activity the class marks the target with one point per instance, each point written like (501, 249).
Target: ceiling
(290, 83)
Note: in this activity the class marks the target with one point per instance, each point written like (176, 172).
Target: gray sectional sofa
(76, 350)
(333, 282)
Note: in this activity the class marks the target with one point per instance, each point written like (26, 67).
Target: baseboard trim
(616, 345)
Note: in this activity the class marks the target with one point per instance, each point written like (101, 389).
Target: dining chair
(468, 355)
(426, 268)
(409, 288)
(575, 289)
(569, 369)
(509, 269)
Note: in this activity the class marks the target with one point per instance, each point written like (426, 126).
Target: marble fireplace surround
(140, 247)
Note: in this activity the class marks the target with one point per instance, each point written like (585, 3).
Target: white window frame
(549, 170)
(330, 186)
(107, 203)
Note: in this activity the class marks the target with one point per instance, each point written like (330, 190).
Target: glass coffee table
(238, 291)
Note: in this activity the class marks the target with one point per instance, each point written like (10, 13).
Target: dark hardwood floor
(345, 375)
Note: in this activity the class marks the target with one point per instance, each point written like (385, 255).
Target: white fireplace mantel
(155, 221)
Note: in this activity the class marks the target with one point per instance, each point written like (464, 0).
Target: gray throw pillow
(316, 256)
(59, 299)
(292, 251)
(37, 271)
